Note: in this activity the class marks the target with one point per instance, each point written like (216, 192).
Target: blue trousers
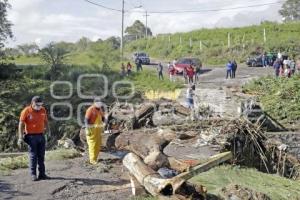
(228, 73)
(36, 146)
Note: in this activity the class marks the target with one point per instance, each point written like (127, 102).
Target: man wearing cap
(94, 118)
(33, 123)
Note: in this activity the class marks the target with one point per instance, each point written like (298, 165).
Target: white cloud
(69, 20)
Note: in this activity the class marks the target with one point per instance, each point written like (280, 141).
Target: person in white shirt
(279, 55)
(174, 62)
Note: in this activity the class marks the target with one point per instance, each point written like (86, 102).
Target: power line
(185, 11)
(211, 10)
(102, 6)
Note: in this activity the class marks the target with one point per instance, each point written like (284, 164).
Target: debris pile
(166, 148)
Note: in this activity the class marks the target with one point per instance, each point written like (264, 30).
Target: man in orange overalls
(94, 126)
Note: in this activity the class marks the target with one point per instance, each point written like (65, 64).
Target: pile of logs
(149, 114)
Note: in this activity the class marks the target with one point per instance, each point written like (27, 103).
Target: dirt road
(215, 91)
(71, 179)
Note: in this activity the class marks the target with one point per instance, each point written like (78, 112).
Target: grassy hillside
(280, 97)
(245, 40)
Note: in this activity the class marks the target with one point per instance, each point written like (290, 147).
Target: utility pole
(146, 15)
(122, 35)
(228, 42)
(265, 37)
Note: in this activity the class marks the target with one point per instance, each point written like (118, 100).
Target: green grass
(277, 188)
(8, 164)
(244, 41)
(148, 80)
(280, 97)
(28, 60)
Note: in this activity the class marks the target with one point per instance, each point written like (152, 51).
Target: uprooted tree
(55, 57)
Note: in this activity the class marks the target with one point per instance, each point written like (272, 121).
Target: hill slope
(243, 41)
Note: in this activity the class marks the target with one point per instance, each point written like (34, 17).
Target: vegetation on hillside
(214, 47)
(280, 97)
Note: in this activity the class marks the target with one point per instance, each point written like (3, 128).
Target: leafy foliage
(290, 10)
(5, 24)
(28, 49)
(55, 57)
(137, 29)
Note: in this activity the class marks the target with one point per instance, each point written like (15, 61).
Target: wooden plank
(213, 161)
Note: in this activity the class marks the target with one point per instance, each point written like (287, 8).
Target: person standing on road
(169, 65)
(190, 96)
(197, 73)
(174, 62)
(123, 71)
(228, 69)
(138, 63)
(32, 126)
(264, 60)
(277, 66)
(172, 72)
(129, 68)
(160, 71)
(190, 74)
(293, 65)
(94, 127)
(234, 68)
(184, 73)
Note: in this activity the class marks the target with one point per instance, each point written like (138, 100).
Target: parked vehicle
(142, 56)
(255, 61)
(183, 63)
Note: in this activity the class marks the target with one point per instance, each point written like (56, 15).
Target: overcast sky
(42, 21)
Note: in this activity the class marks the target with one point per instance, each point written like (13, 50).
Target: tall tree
(138, 29)
(290, 10)
(5, 24)
(83, 43)
(55, 57)
(28, 49)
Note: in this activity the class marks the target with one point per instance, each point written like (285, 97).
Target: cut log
(149, 178)
(156, 185)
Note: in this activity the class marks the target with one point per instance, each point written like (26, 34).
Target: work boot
(44, 177)
(34, 178)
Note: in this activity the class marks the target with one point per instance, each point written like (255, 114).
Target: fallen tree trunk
(156, 185)
(148, 144)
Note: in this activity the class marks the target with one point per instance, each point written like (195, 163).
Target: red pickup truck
(183, 63)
